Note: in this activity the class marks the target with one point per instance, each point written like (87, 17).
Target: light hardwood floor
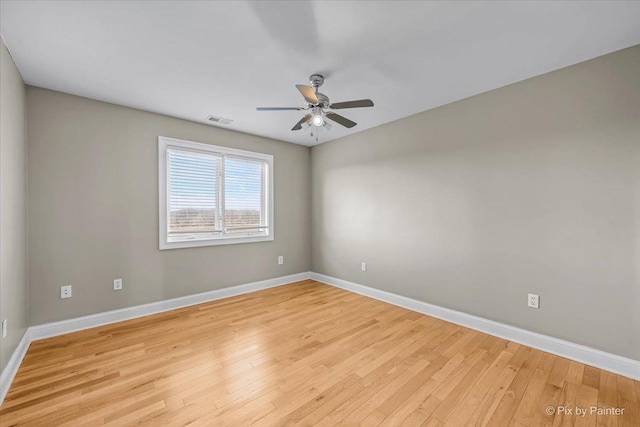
(307, 354)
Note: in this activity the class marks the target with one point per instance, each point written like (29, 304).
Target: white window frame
(164, 144)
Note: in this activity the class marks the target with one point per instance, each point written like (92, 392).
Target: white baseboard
(79, 323)
(580, 353)
(10, 371)
(48, 330)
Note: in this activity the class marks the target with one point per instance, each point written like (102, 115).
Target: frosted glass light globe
(317, 120)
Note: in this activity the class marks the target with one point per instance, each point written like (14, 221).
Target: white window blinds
(213, 195)
(194, 194)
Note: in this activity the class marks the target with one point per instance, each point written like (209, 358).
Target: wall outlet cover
(117, 284)
(533, 301)
(65, 292)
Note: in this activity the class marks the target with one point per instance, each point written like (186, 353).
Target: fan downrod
(316, 80)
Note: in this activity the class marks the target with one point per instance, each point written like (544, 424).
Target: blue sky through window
(243, 185)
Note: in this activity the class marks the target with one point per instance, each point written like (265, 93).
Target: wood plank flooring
(306, 354)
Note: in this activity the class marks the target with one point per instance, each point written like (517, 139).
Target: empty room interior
(320, 213)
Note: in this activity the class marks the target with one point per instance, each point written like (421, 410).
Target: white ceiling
(191, 59)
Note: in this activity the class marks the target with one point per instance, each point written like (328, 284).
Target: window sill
(164, 245)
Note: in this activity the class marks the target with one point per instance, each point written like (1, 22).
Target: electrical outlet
(65, 291)
(4, 328)
(533, 301)
(364, 266)
(280, 260)
(117, 284)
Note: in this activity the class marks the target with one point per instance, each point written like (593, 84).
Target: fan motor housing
(323, 100)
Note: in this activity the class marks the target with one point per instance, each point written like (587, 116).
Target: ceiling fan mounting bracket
(316, 80)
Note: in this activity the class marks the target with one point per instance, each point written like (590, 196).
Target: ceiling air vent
(219, 120)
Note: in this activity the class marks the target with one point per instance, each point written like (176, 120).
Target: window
(212, 195)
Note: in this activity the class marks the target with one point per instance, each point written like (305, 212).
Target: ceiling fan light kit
(319, 102)
(317, 119)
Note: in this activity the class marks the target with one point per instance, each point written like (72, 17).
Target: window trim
(163, 144)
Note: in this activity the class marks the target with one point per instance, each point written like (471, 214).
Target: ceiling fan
(319, 103)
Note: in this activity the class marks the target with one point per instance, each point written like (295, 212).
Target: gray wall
(93, 210)
(13, 232)
(532, 187)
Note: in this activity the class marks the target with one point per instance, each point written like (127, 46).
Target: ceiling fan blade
(305, 119)
(277, 108)
(309, 94)
(352, 104)
(340, 120)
